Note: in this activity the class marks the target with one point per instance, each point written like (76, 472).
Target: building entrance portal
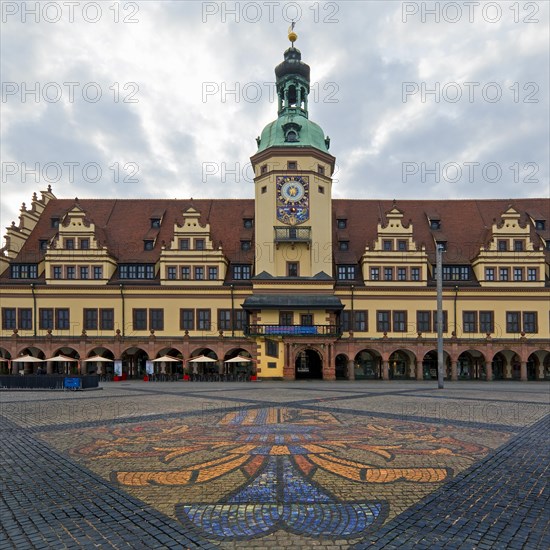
(309, 365)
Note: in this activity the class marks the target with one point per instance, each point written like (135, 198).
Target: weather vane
(292, 36)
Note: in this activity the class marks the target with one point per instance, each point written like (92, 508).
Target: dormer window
(155, 223)
(540, 225)
(148, 244)
(84, 244)
(343, 245)
(54, 222)
(184, 244)
(435, 224)
(199, 244)
(292, 132)
(291, 136)
(248, 223)
(387, 245)
(502, 246)
(69, 244)
(342, 223)
(245, 245)
(402, 246)
(43, 244)
(518, 246)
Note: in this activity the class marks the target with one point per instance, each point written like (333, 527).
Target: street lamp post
(439, 279)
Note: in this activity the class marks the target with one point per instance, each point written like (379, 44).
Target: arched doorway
(471, 366)
(341, 367)
(309, 365)
(367, 365)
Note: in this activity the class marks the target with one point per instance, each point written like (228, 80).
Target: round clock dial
(292, 191)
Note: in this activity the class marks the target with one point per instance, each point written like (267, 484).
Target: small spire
(292, 36)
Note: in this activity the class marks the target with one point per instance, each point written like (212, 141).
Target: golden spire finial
(292, 36)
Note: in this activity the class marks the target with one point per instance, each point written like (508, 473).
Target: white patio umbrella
(167, 359)
(97, 359)
(240, 359)
(27, 359)
(202, 359)
(60, 359)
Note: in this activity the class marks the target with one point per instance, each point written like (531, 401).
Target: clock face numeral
(292, 199)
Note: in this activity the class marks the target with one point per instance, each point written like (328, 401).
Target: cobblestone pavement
(276, 465)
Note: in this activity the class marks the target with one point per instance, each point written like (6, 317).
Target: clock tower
(293, 185)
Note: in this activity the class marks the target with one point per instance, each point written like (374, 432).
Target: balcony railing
(294, 330)
(292, 234)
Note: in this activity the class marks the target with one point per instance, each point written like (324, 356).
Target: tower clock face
(292, 199)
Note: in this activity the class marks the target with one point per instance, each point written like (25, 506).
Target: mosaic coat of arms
(292, 199)
(256, 471)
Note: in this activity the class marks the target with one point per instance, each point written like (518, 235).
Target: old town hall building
(289, 284)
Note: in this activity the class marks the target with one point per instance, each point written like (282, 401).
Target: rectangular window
(387, 245)
(344, 321)
(84, 272)
(286, 318)
(57, 272)
(84, 244)
(292, 269)
(98, 272)
(388, 274)
(69, 244)
(423, 321)
(186, 273)
(399, 321)
(402, 245)
(184, 244)
(489, 273)
(306, 320)
(90, 319)
(445, 325)
(346, 272)
(45, 319)
(415, 274)
(241, 319)
(212, 273)
(469, 321)
(272, 348)
(504, 274)
(456, 273)
(531, 273)
(199, 273)
(25, 318)
(374, 273)
(263, 169)
(199, 244)
(383, 321)
(203, 319)
(321, 170)
(140, 319)
(292, 165)
(502, 246)
(518, 246)
(401, 273)
(530, 322)
(71, 272)
(187, 319)
(241, 272)
(486, 322)
(224, 319)
(156, 319)
(171, 273)
(107, 319)
(518, 274)
(9, 318)
(62, 319)
(137, 271)
(360, 321)
(512, 321)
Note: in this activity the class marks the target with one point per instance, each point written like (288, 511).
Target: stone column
(454, 370)
(49, 367)
(351, 369)
(419, 370)
(385, 370)
(523, 371)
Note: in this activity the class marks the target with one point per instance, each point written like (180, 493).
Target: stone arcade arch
(430, 363)
(134, 362)
(401, 365)
(471, 366)
(367, 365)
(309, 365)
(341, 369)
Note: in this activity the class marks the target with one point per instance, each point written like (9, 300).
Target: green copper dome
(309, 134)
(292, 127)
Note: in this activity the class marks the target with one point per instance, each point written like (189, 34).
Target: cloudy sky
(166, 98)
